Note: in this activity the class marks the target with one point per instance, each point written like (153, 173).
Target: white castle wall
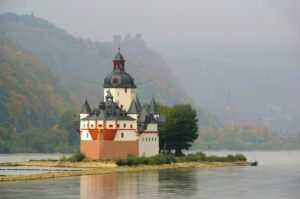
(148, 144)
(123, 97)
(126, 135)
(85, 135)
(152, 127)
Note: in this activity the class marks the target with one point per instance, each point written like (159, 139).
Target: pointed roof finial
(119, 56)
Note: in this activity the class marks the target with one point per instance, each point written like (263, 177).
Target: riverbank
(106, 167)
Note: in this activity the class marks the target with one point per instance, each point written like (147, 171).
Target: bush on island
(240, 157)
(194, 157)
(168, 159)
(154, 160)
(77, 157)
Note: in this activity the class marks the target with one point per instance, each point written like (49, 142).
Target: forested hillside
(80, 62)
(31, 102)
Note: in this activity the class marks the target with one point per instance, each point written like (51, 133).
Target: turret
(119, 61)
(85, 110)
(153, 109)
(120, 84)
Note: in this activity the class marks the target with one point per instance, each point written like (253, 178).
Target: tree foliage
(180, 128)
(33, 105)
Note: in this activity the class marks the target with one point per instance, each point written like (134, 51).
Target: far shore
(96, 168)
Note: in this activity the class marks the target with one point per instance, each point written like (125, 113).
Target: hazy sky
(234, 22)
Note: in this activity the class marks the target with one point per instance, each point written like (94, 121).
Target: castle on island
(120, 125)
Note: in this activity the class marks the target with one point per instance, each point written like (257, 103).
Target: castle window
(100, 125)
(111, 126)
(125, 90)
(118, 125)
(124, 125)
(122, 135)
(115, 80)
(92, 125)
(130, 125)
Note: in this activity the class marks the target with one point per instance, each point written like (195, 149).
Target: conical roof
(139, 106)
(143, 113)
(152, 109)
(133, 109)
(86, 109)
(119, 56)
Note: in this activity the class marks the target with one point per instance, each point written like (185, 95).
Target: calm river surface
(277, 176)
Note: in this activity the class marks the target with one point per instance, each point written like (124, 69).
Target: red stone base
(106, 149)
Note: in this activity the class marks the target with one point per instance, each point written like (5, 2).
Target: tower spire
(119, 61)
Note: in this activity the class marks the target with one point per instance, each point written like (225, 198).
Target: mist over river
(277, 176)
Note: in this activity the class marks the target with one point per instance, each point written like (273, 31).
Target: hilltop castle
(120, 125)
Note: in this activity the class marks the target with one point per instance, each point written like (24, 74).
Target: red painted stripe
(94, 133)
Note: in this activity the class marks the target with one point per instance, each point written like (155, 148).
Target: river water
(277, 176)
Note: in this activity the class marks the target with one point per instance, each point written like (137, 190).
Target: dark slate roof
(108, 110)
(143, 113)
(119, 79)
(138, 103)
(152, 109)
(119, 56)
(86, 109)
(133, 109)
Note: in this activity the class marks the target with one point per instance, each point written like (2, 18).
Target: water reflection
(277, 176)
(139, 185)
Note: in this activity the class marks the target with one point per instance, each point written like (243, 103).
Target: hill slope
(30, 94)
(31, 102)
(80, 61)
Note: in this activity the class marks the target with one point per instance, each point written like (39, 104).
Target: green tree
(181, 128)
(66, 122)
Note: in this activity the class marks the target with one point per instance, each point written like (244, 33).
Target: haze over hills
(264, 81)
(81, 62)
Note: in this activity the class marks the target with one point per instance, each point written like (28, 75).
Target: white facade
(126, 135)
(85, 135)
(122, 96)
(148, 144)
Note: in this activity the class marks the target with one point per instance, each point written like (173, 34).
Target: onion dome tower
(120, 83)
